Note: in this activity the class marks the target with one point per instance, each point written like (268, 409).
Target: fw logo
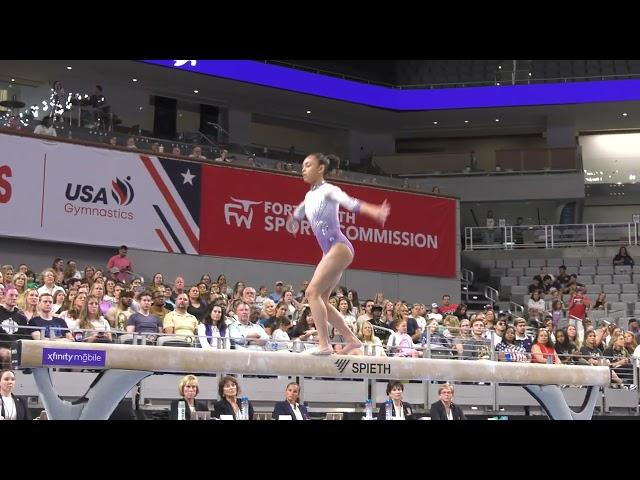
(342, 364)
(240, 212)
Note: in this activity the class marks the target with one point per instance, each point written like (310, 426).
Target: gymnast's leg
(327, 273)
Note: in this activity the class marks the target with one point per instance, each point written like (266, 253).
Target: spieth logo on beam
(362, 367)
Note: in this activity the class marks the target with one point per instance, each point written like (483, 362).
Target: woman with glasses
(444, 408)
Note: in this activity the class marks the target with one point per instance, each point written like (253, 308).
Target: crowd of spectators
(114, 305)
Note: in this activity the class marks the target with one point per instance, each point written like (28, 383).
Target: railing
(506, 162)
(516, 309)
(467, 276)
(492, 294)
(622, 394)
(524, 78)
(550, 236)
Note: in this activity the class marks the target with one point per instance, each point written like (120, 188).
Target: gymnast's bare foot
(323, 351)
(352, 349)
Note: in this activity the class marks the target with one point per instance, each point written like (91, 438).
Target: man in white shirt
(415, 313)
(243, 333)
(435, 315)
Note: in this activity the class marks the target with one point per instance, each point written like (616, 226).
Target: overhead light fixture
(625, 114)
(13, 79)
(435, 123)
(134, 79)
(499, 67)
(498, 83)
(195, 91)
(497, 119)
(466, 121)
(69, 67)
(139, 108)
(308, 111)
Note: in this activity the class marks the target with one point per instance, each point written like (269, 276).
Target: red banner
(243, 215)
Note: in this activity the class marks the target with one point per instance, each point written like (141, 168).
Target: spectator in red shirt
(446, 307)
(119, 265)
(578, 305)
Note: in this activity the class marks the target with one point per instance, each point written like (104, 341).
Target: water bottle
(388, 410)
(182, 410)
(368, 409)
(507, 356)
(244, 407)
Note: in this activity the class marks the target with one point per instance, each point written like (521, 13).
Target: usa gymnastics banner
(247, 210)
(72, 193)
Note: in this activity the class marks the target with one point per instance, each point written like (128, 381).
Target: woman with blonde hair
(379, 299)
(387, 312)
(188, 389)
(99, 330)
(619, 358)
(72, 308)
(30, 308)
(6, 272)
(630, 342)
(20, 284)
(372, 344)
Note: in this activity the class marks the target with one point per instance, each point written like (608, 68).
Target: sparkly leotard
(320, 206)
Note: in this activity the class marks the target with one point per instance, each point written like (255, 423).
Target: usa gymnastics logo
(122, 191)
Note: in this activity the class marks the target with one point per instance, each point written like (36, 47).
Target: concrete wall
(496, 188)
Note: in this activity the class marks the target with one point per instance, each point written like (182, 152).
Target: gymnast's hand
(383, 212)
(292, 225)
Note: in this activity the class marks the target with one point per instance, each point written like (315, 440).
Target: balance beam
(135, 362)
